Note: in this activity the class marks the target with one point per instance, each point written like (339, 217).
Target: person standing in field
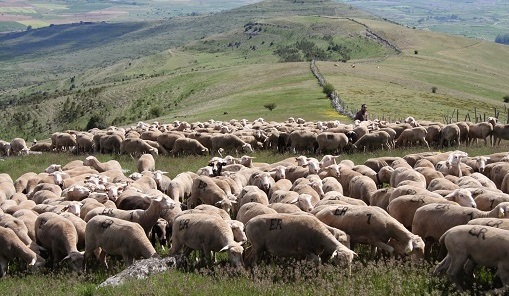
(362, 114)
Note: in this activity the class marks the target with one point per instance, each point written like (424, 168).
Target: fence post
(475, 114)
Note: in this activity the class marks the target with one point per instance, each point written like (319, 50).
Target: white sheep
(59, 236)
(92, 161)
(206, 233)
(12, 247)
(289, 235)
(475, 245)
(370, 225)
(146, 162)
(117, 237)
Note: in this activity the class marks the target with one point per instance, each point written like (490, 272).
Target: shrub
(506, 99)
(416, 52)
(270, 106)
(434, 89)
(96, 121)
(328, 89)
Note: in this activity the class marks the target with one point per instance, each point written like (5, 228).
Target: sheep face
(343, 258)
(37, 264)
(463, 197)
(234, 254)
(76, 260)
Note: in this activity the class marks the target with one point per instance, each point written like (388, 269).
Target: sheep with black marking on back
(298, 236)
(370, 225)
(117, 237)
(206, 233)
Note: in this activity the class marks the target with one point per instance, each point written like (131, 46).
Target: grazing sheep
(230, 142)
(410, 136)
(480, 130)
(17, 146)
(404, 174)
(332, 142)
(59, 236)
(117, 237)
(146, 163)
(370, 225)
(372, 141)
(403, 208)
(109, 144)
(450, 135)
(205, 190)
(433, 220)
(180, 187)
(303, 140)
(12, 247)
(188, 146)
(134, 146)
(206, 233)
(475, 245)
(146, 218)
(252, 209)
(362, 187)
(92, 161)
(299, 236)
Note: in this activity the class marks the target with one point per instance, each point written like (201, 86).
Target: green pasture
(17, 10)
(34, 23)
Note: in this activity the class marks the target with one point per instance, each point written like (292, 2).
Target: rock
(141, 269)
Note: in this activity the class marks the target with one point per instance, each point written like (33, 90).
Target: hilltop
(230, 64)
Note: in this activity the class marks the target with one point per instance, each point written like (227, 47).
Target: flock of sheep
(299, 207)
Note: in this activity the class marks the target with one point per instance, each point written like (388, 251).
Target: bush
(506, 99)
(434, 89)
(96, 121)
(270, 106)
(328, 89)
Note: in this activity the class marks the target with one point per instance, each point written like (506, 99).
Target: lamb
(146, 218)
(188, 145)
(262, 180)
(403, 208)
(370, 225)
(117, 237)
(167, 139)
(433, 220)
(63, 141)
(300, 236)
(109, 143)
(252, 193)
(484, 246)
(133, 146)
(12, 247)
(58, 235)
(206, 234)
(331, 184)
(146, 163)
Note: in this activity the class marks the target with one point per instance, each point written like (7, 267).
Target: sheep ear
(225, 248)
(501, 212)
(294, 200)
(66, 257)
(219, 203)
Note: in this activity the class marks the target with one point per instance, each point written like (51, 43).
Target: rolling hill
(229, 64)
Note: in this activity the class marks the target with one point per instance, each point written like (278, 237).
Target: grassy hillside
(230, 64)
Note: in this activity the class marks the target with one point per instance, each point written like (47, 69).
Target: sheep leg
(455, 269)
(127, 259)
(443, 265)
(384, 247)
(3, 266)
(503, 273)
(102, 259)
